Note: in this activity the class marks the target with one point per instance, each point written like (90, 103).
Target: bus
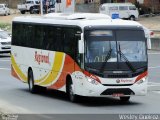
(81, 54)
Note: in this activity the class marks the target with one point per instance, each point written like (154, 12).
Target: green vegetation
(5, 26)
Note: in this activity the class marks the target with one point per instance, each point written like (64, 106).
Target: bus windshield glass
(104, 49)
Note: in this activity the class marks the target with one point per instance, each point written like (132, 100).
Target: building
(11, 3)
(146, 5)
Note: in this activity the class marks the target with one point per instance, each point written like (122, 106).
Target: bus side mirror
(81, 45)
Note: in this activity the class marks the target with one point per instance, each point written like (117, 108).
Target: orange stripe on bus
(67, 69)
(14, 73)
(141, 76)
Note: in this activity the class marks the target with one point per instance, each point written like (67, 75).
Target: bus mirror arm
(81, 46)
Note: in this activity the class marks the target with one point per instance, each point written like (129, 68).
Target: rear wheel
(125, 99)
(32, 88)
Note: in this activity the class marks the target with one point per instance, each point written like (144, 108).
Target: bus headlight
(141, 81)
(92, 81)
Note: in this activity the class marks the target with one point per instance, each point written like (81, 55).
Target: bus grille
(117, 76)
(6, 43)
(124, 91)
(117, 84)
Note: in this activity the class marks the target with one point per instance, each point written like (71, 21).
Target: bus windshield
(111, 49)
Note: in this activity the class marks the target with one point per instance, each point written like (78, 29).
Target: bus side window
(39, 33)
(69, 42)
(58, 40)
(49, 38)
(29, 35)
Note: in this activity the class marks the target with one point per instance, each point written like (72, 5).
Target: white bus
(80, 54)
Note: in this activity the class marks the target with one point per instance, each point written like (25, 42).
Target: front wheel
(71, 94)
(125, 99)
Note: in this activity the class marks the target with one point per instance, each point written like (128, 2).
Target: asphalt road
(15, 97)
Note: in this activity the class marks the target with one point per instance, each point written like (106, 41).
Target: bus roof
(77, 19)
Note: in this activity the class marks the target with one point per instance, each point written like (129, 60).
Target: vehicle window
(40, 34)
(29, 2)
(132, 8)
(123, 7)
(69, 41)
(37, 2)
(1, 6)
(113, 8)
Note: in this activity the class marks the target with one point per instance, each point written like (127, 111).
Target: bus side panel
(69, 67)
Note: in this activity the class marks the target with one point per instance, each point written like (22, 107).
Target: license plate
(117, 94)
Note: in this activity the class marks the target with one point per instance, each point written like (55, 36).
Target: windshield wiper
(106, 60)
(125, 58)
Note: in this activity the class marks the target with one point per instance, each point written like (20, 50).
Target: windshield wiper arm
(106, 60)
(125, 58)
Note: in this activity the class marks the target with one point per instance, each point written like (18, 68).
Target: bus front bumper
(100, 90)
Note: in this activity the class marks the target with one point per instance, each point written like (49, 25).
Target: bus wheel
(32, 87)
(125, 99)
(70, 91)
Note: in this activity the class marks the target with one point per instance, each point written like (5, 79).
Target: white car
(120, 10)
(148, 35)
(4, 10)
(5, 42)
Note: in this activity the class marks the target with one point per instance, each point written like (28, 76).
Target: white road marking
(156, 92)
(153, 83)
(8, 60)
(5, 68)
(154, 67)
(154, 53)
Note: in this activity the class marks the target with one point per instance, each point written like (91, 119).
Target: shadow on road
(86, 101)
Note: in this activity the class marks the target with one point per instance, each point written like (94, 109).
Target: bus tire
(32, 88)
(70, 91)
(132, 17)
(125, 99)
